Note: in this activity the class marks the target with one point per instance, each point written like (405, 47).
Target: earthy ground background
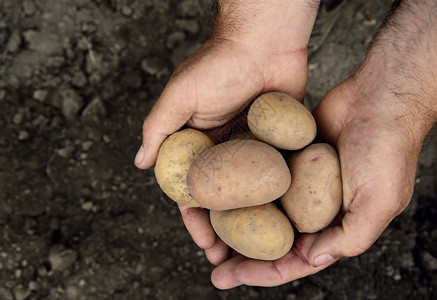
(79, 221)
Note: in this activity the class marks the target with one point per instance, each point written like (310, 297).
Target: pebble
(428, 261)
(40, 95)
(29, 7)
(43, 42)
(2, 95)
(72, 103)
(96, 108)
(21, 293)
(61, 259)
(175, 39)
(18, 118)
(189, 26)
(188, 8)
(79, 79)
(14, 42)
(23, 135)
(154, 66)
(33, 286)
(5, 294)
(87, 145)
(126, 10)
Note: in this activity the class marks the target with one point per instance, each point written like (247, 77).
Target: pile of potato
(240, 179)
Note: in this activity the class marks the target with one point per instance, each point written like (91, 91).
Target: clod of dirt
(190, 26)
(29, 8)
(43, 42)
(175, 39)
(61, 259)
(154, 66)
(40, 95)
(95, 109)
(71, 103)
(429, 261)
(14, 42)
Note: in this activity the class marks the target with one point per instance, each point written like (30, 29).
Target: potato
(315, 194)
(238, 173)
(281, 121)
(175, 156)
(259, 232)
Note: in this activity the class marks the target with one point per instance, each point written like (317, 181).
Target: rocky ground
(79, 221)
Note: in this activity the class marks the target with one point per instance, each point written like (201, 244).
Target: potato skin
(175, 156)
(315, 194)
(259, 232)
(281, 121)
(238, 173)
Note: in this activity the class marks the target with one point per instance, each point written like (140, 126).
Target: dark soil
(79, 221)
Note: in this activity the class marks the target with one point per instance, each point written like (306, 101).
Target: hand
(248, 54)
(378, 159)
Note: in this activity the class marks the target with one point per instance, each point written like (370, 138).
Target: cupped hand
(255, 48)
(378, 156)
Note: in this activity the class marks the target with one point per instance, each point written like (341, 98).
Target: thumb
(362, 224)
(169, 114)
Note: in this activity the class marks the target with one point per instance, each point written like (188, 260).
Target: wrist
(276, 27)
(393, 98)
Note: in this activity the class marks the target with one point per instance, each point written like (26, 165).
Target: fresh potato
(175, 156)
(315, 194)
(259, 232)
(281, 121)
(238, 173)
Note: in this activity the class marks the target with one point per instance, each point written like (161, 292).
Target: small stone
(18, 118)
(428, 261)
(18, 273)
(14, 42)
(188, 8)
(87, 206)
(29, 7)
(107, 139)
(40, 95)
(87, 145)
(175, 39)
(126, 10)
(72, 103)
(5, 294)
(96, 108)
(61, 259)
(65, 152)
(189, 26)
(79, 79)
(44, 43)
(21, 293)
(23, 135)
(154, 66)
(2, 95)
(82, 283)
(33, 286)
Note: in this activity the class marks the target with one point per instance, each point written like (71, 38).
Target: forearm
(402, 65)
(282, 25)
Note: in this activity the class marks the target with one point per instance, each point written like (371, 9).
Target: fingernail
(323, 259)
(140, 155)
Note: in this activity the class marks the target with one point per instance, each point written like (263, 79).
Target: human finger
(197, 222)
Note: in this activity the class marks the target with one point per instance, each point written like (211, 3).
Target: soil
(79, 221)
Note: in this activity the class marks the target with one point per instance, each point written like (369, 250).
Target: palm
(221, 78)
